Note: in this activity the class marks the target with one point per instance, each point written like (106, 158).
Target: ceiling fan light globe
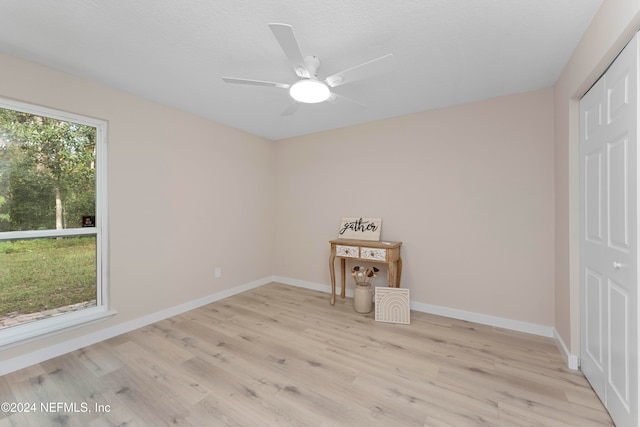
(309, 91)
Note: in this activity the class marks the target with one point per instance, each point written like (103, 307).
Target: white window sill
(15, 335)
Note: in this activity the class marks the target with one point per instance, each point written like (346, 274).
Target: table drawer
(347, 251)
(373, 254)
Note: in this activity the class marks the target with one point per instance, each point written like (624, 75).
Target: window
(53, 225)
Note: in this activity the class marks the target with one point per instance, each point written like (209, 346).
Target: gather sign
(360, 228)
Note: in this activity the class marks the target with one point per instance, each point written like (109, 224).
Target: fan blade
(292, 108)
(368, 69)
(255, 82)
(334, 98)
(287, 40)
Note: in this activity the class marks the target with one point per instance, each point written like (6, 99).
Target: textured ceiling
(446, 52)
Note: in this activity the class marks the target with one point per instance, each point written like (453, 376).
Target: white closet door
(609, 235)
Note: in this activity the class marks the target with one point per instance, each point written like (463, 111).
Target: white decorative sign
(360, 228)
(392, 305)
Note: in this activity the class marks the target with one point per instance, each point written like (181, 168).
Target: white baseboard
(11, 365)
(483, 319)
(310, 285)
(514, 325)
(59, 349)
(573, 361)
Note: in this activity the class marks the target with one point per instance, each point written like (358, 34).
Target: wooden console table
(365, 250)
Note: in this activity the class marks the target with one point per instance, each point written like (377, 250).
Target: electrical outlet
(218, 272)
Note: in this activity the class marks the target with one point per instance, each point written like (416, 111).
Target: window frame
(18, 334)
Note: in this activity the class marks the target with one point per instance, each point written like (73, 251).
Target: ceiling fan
(309, 88)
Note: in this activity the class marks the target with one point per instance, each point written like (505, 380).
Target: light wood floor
(282, 356)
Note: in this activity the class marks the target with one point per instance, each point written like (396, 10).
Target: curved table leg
(332, 271)
(399, 272)
(392, 274)
(343, 263)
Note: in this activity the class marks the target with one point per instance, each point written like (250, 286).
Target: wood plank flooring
(282, 356)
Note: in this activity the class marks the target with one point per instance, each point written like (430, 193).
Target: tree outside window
(50, 237)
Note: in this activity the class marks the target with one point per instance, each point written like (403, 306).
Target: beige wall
(184, 193)
(468, 189)
(614, 25)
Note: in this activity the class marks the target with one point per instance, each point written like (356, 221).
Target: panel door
(609, 256)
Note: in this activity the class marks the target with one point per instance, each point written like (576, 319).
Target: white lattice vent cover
(392, 305)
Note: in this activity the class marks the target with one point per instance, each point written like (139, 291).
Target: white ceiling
(447, 52)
